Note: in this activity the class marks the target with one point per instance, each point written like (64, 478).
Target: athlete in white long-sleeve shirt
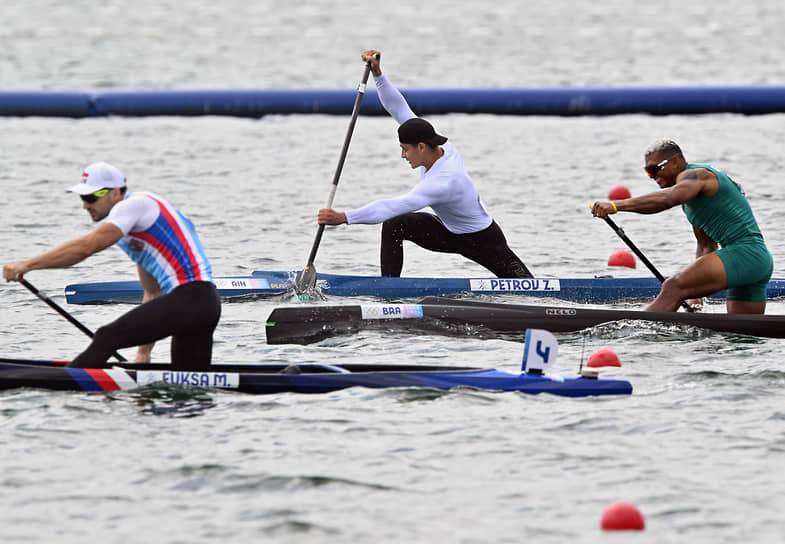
(460, 224)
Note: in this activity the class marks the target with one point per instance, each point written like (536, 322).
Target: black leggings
(487, 247)
(189, 314)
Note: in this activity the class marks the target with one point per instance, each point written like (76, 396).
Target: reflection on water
(172, 400)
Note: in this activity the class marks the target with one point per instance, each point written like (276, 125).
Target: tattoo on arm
(689, 175)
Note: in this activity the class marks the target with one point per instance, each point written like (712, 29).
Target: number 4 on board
(539, 351)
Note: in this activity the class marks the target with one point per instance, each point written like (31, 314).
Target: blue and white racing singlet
(160, 239)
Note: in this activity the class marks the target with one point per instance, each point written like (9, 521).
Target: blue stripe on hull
(83, 379)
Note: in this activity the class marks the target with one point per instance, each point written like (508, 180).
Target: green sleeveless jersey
(725, 216)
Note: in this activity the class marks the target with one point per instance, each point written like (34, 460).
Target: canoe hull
(312, 379)
(305, 324)
(272, 283)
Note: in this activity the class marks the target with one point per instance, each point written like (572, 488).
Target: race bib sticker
(515, 285)
(391, 311)
(241, 283)
(228, 380)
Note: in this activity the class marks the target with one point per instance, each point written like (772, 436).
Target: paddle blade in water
(305, 281)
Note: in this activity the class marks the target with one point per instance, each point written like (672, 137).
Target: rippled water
(695, 447)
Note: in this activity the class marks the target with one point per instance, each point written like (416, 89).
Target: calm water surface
(697, 445)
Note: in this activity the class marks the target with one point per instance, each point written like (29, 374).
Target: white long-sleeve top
(445, 186)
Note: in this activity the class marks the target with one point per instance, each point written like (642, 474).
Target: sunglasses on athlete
(92, 197)
(655, 169)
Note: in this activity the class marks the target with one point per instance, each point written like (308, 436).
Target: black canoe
(303, 324)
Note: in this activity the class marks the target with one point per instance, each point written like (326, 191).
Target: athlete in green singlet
(720, 216)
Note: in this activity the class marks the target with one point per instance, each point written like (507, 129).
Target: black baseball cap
(417, 130)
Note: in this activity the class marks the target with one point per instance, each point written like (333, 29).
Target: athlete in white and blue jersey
(459, 223)
(180, 299)
(160, 239)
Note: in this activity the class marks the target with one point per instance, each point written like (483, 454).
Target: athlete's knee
(673, 287)
(394, 227)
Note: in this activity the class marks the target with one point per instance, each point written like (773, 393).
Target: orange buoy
(619, 192)
(622, 516)
(622, 257)
(603, 357)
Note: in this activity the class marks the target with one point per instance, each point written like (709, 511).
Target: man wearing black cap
(460, 224)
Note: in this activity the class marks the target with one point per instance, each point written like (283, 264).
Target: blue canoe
(302, 378)
(265, 283)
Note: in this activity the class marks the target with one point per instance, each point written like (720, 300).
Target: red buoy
(622, 257)
(603, 357)
(619, 192)
(622, 516)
